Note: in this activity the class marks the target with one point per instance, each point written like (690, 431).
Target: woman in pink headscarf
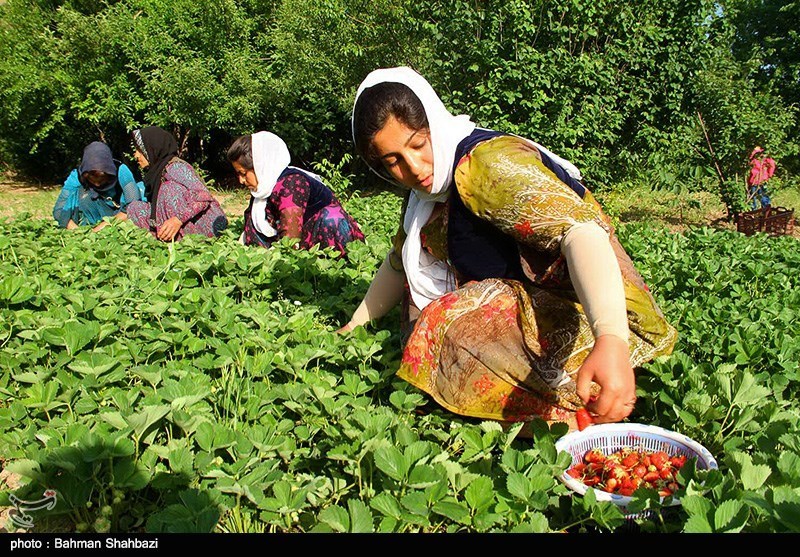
(762, 168)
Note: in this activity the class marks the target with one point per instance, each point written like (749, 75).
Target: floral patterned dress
(505, 349)
(184, 195)
(302, 208)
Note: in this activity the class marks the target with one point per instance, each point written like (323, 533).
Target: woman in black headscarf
(179, 201)
(100, 187)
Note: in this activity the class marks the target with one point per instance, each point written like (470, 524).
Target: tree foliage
(766, 42)
(614, 87)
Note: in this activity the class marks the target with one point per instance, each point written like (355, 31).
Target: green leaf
(696, 505)
(608, 515)
(122, 446)
(749, 391)
(32, 377)
(27, 468)
(336, 517)
(181, 460)
(386, 504)
(541, 483)
(547, 448)
(423, 475)
(754, 476)
(130, 475)
(148, 417)
(457, 512)
(92, 363)
(15, 290)
(416, 502)
(789, 466)
(78, 335)
(730, 516)
(360, 517)
(391, 462)
(538, 523)
(479, 493)
(788, 513)
(416, 451)
(114, 419)
(519, 486)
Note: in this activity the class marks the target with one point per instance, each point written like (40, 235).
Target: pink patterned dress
(184, 195)
(306, 209)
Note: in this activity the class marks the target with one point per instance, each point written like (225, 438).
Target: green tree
(766, 41)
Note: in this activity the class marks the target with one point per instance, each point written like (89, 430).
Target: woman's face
(98, 179)
(406, 154)
(141, 160)
(246, 177)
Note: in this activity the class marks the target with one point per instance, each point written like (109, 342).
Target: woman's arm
(67, 202)
(507, 182)
(122, 215)
(384, 293)
(193, 200)
(130, 191)
(597, 279)
(196, 197)
(291, 197)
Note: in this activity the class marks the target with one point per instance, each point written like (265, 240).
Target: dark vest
(476, 248)
(320, 196)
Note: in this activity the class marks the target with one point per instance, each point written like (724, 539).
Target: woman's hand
(100, 226)
(168, 230)
(608, 365)
(346, 329)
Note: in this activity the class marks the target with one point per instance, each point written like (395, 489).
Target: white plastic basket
(613, 437)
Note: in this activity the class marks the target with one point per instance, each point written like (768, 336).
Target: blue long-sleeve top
(76, 200)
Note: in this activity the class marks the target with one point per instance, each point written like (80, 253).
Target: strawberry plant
(201, 387)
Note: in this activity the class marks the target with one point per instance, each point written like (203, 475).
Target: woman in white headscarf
(287, 201)
(518, 300)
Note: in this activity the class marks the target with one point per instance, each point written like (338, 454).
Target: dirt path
(37, 199)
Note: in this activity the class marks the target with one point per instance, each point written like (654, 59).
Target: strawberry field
(200, 387)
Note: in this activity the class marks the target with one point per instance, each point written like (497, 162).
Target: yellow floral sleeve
(504, 181)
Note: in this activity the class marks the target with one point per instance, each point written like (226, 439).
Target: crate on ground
(774, 221)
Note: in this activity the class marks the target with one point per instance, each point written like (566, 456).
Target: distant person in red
(762, 168)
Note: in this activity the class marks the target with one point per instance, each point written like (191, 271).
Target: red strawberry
(658, 459)
(594, 455)
(630, 460)
(619, 473)
(678, 461)
(583, 418)
(651, 477)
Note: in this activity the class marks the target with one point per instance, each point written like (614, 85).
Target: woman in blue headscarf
(100, 187)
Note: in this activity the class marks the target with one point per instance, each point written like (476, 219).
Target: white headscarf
(427, 276)
(270, 158)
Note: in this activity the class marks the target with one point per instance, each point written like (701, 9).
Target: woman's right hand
(608, 365)
(101, 226)
(346, 329)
